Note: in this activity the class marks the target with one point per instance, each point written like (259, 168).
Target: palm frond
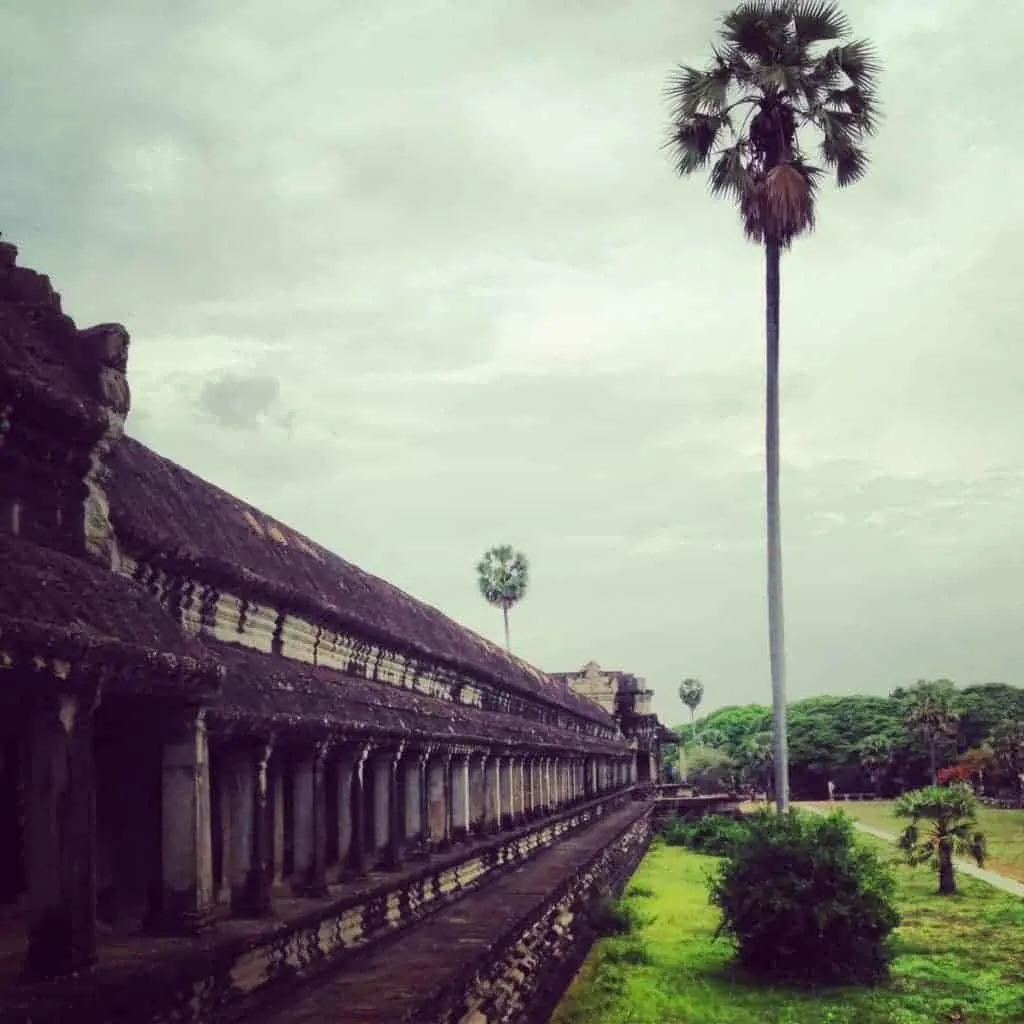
(693, 141)
(758, 29)
(859, 61)
(860, 103)
(818, 21)
(839, 148)
(729, 175)
(698, 92)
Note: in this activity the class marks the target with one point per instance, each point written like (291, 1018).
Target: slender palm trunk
(776, 630)
(508, 642)
(693, 723)
(947, 880)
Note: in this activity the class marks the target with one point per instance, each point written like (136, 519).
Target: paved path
(992, 877)
(391, 982)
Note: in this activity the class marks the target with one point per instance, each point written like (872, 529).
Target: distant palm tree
(691, 693)
(783, 69)
(930, 715)
(503, 575)
(951, 813)
(875, 753)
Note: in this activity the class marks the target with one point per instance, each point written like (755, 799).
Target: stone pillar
(545, 784)
(186, 891)
(530, 785)
(343, 768)
(61, 835)
(412, 765)
(396, 812)
(311, 823)
(358, 859)
(437, 802)
(505, 779)
(493, 797)
(277, 818)
(380, 766)
(477, 792)
(249, 862)
(460, 796)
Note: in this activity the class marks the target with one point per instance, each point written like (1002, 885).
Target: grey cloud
(445, 236)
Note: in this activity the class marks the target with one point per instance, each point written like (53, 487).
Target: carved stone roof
(262, 692)
(165, 513)
(55, 606)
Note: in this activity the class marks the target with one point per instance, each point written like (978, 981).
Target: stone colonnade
(242, 820)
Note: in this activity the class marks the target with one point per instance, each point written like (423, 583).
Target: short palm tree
(950, 829)
(783, 72)
(503, 575)
(691, 693)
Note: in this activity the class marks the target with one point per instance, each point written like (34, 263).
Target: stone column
(61, 835)
(277, 770)
(343, 767)
(311, 822)
(358, 859)
(437, 799)
(505, 779)
(413, 768)
(493, 799)
(477, 792)
(249, 865)
(380, 766)
(530, 785)
(186, 891)
(460, 796)
(396, 815)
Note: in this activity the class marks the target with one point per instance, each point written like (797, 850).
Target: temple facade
(213, 727)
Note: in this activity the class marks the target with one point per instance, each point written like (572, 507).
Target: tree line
(931, 732)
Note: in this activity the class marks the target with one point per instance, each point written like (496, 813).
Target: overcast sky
(417, 278)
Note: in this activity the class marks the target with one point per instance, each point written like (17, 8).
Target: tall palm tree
(782, 73)
(503, 575)
(691, 693)
(952, 829)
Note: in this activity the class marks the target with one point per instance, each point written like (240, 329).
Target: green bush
(714, 834)
(805, 903)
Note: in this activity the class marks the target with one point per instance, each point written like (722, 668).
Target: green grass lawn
(965, 951)
(1003, 829)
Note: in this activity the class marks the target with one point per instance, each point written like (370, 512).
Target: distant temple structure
(228, 757)
(627, 698)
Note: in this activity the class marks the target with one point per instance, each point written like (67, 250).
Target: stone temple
(238, 773)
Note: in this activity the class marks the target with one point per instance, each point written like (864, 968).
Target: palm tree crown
(691, 693)
(782, 71)
(503, 576)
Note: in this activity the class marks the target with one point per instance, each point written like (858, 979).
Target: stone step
(414, 977)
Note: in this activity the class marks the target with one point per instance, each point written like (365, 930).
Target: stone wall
(523, 979)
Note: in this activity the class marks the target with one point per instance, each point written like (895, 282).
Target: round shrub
(804, 903)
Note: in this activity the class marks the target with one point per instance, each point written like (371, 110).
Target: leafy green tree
(1007, 745)
(691, 693)
(503, 576)
(755, 760)
(782, 71)
(711, 771)
(930, 714)
(943, 824)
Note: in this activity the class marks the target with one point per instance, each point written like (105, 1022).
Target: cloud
(419, 277)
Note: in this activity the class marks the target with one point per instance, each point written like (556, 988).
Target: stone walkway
(993, 878)
(389, 983)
